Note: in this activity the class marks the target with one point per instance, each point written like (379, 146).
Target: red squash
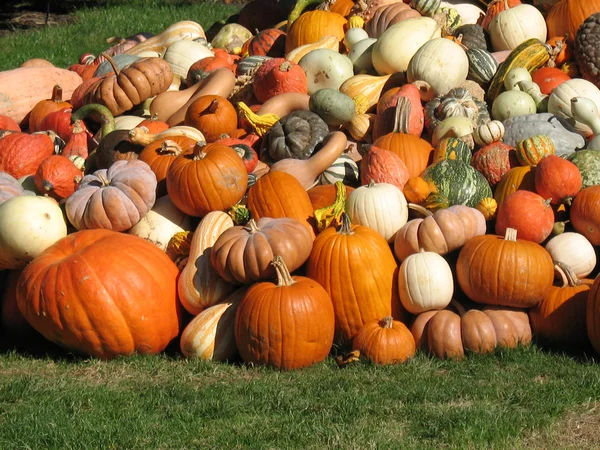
(276, 76)
(548, 78)
(57, 177)
(527, 212)
(7, 123)
(557, 179)
(22, 153)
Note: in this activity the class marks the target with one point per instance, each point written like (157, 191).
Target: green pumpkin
(588, 162)
(461, 183)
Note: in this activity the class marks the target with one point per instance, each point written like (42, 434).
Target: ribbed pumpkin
(11, 187)
(385, 341)
(324, 195)
(22, 153)
(45, 107)
(160, 154)
(566, 16)
(414, 151)
(585, 214)
(382, 166)
(287, 325)
(387, 15)
(560, 318)
(124, 299)
(517, 178)
(276, 76)
(312, 26)
(210, 178)
(357, 268)
(531, 151)
(557, 179)
(267, 42)
(527, 212)
(57, 177)
(280, 194)
(501, 270)
(213, 115)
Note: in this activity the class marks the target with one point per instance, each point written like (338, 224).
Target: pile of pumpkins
(383, 176)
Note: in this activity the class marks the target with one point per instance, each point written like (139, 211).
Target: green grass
(62, 45)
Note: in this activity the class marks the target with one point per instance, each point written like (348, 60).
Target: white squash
(210, 336)
(574, 250)
(512, 104)
(379, 206)
(455, 126)
(425, 282)
(127, 121)
(354, 35)
(28, 226)
(559, 103)
(325, 68)
(469, 12)
(515, 25)
(585, 111)
(441, 63)
(398, 44)
(161, 223)
(361, 55)
(182, 54)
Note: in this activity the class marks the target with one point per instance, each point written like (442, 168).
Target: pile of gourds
(383, 175)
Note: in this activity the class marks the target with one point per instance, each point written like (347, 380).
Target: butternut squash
(307, 170)
(184, 30)
(283, 104)
(21, 89)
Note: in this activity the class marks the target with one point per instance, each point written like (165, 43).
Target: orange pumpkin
(45, 107)
(385, 341)
(557, 179)
(414, 151)
(501, 270)
(565, 18)
(527, 212)
(517, 178)
(494, 8)
(213, 115)
(585, 214)
(57, 177)
(382, 166)
(209, 178)
(22, 153)
(548, 78)
(416, 190)
(288, 324)
(311, 26)
(102, 293)
(277, 76)
(324, 195)
(7, 123)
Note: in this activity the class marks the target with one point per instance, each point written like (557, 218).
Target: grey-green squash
(333, 106)
(461, 183)
(588, 162)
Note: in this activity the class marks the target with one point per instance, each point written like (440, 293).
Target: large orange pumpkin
(311, 26)
(414, 151)
(567, 16)
(585, 214)
(102, 293)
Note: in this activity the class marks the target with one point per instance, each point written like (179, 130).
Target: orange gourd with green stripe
(531, 151)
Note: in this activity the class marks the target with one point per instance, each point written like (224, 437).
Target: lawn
(529, 398)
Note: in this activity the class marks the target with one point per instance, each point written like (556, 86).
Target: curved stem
(346, 227)
(283, 274)
(112, 63)
(169, 147)
(420, 209)
(57, 93)
(568, 277)
(102, 178)
(251, 227)
(299, 8)
(97, 112)
(460, 309)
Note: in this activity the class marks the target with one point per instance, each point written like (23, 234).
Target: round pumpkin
(557, 179)
(385, 341)
(527, 212)
(585, 214)
(566, 16)
(414, 151)
(213, 115)
(57, 177)
(574, 250)
(102, 293)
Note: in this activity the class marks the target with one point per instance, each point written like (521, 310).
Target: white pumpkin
(441, 63)
(469, 12)
(399, 42)
(127, 121)
(182, 54)
(559, 102)
(425, 282)
(379, 206)
(325, 68)
(161, 223)
(28, 226)
(574, 250)
(210, 336)
(361, 55)
(515, 25)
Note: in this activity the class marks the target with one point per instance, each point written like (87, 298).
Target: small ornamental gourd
(213, 115)
(531, 151)
(288, 325)
(57, 177)
(385, 341)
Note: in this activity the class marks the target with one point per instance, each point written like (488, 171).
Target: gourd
(10, 187)
(333, 106)
(325, 68)
(513, 104)
(182, 54)
(560, 100)
(588, 163)
(361, 55)
(183, 30)
(387, 15)
(482, 66)
(487, 133)
(516, 25)
(584, 214)
(388, 58)
(528, 213)
(363, 86)
(574, 250)
(28, 225)
(330, 42)
(22, 153)
(585, 111)
(458, 102)
(343, 169)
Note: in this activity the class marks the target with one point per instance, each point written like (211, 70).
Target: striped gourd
(246, 65)
(426, 7)
(452, 148)
(531, 151)
(482, 66)
(344, 169)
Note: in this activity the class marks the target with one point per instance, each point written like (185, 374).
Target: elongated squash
(184, 30)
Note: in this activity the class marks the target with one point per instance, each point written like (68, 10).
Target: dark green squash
(473, 36)
(452, 148)
(482, 66)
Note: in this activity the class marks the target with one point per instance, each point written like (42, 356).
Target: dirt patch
(23, 17)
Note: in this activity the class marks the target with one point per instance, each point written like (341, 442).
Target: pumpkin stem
(346, 227)
(420, 209)
(47, 185)
(101, 176)
(198, 151)
(567, 275)
(460, 309)
(283, 274)
(371, 183)
(213, 106)
(386, 322)
(326, 215)
(425, 89)
(169, 147)
(251, 227)
(57, 94)
(285, 66)
(402, 115)
(510, 235)
(112, 63)
(98, 113)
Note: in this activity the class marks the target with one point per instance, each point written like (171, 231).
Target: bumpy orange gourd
(57, 177)
(22, 153)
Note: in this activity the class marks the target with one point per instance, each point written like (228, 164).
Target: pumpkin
(425, 282)
(565, 18)
(243, 254)
(584, 214)
(494, 161)
(380, 206)
(288, 324)
(357, 269)
(210, 336)
(28, 225)
(501, 270)
(414, 151)
(199, 285)
(517, 178)
(387, 15)
(441, 232)
(125, 295)
(382, 166)
(560, 318)
(325, 194)
(531, 151)
(115, 198)
(515, 26)
(213, 115)
(60, 122)
(557, 179)
(276, 76)
(394, 113)
(385, 341)
(8, 124)
(574, 250)
(548, 78)
(210, 178)
(527, 212)
(10, 187)
(416, 190)
(494, 8)
(22, 153)
(45, 107)
(279, 194)
(202, 68)
(57, 177)
(267, 42)
(311, 26)
(12, 321)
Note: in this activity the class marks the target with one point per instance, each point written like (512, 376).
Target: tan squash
(330, 42)
(369, 86)
(141, 135)
(283, 104)
(306, 171)
(199, 285)
(183, 30)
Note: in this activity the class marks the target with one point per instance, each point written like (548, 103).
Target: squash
(57, 177)
(277, 76)
(585, 111)
(361, 56)
(528, 213)
(28, 225)
(574, 250)
(588, 163)
(365, 85)
(343, 169)
(557, 179)
(330, 42)
(382, 166)
(10, 187)
(22, 153)
(517, 178)
(333, 106)
(182, 54)
(458, 102)
(21, 89)
(560, 100)
(584, 214)
(482, 66)
(183, 30)
(325, 68)
(516, 25)
(567, 16)
(311, 26)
